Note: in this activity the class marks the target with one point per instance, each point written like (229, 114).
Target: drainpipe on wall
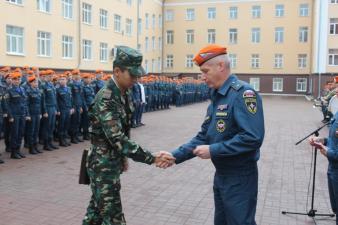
(137, 25)
(311, 91)
(79, 36)
(318, 49)
(162, 51)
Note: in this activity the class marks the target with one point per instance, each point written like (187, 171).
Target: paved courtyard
(43, 189)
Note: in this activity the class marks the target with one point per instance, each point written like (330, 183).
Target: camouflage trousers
(105, 206)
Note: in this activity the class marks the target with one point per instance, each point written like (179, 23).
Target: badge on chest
(220, 126)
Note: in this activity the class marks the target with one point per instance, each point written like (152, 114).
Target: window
(14, 36)
(117, 23)
(139, 26)
(67, 47)
(303, 34)
(190, 36)
(233, 11)
(170, 61)
(279, 35)
(212, 13)
(255, 61)
(160, 43)
(153, 43)
(18, 2)
(160, 21)
(301, 84)
(86, 13)
(211, 36)
(255, 35)
(103, 18)
(170, 37)
(334, 1)
(188, 61)
(153, 22)
(278, 61)
(103, 52)
(147, 21)
(255, 83)
(67, 9)
(129, 2)
(190, 14)
(43, 5)
(44, 44)
(256, 11)
(333, 25)
(233, 36)
(139, 47)
(86, 49)
(169, 15)
(233, 60)
(304, 10)
(146, 45)
(129, 27)
(153, 65)
(277, 84)
(159, 61)
(146, 68)
(333, 57)
(279, 11)
(302, 61)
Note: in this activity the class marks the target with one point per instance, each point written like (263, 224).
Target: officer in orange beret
(98, 82)
(16, 105)
(88, 95)
(231, 135)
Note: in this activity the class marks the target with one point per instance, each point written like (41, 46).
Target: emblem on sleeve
(250, 100)
(220, 126)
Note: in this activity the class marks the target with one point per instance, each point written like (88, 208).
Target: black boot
(86, 137)
(32, 150)
(46, 147)
(52, 146)
(36, 148)
(78, 139)
(15, 155)
(63, 142)
(1, 161)
(8, 149)
(73, 140)
(19, 153)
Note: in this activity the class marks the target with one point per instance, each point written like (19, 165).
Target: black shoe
(8, 149)
(133, 126)
(86, 137)
(47, 148)
(1, 161)
(37, 150)
(53, 146)
(21, 154)
(78, 139)
(32, 150)
(63, 143)
(74, 141)
(15, 156)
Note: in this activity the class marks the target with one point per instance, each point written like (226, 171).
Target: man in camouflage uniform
(110, 116)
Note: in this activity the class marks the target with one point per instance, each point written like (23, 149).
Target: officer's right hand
(314, 139)
(11, 120)
(5, 115)
(45, 115)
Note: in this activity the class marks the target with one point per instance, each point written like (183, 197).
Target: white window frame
(15, 40)
(170, 61)
(256, 35)
(159, 64)
(278, 61)
(190, 14)
(153, 43)
(160, 42)
(302, 61)
(277, 84)
(212, 13)
(233, 60)
(303, 34)
(44, 6)
(169, 15)
(190, 36)
(279, 10)
(334, 1)
(129, 27)
(211, 36)
(67, 47)
(153, 66)
(301, 84)
(44, 44)
(170, 37)
(15, 2)
(103, 19)
(160, 21)
(86, 13)
(67, 9)
(189, 61)
(256, 11)
(279, 35)
(304, 10)
(333, 57)
(146, 44)
(117, 23)
(139, 26)
(87, 52)
(233, 36)
(333, 26)
(103, 52)
(255, 83)
(153, 21)
(255, 61)
(147, 21)
(233, 12)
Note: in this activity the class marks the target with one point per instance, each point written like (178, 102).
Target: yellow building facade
(278, 46)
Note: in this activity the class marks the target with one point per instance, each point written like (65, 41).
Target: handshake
(164, 159)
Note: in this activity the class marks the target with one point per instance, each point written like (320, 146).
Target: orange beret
(98, 71)
(86, 75)
(208, 53)
(50, 72)
(76, 72)
(63, 76)
(42, 73)
(17, 70)
(31, 78)
(30, 72)
(15, 75)
(34, 68)
(336, 79)
(25, 67)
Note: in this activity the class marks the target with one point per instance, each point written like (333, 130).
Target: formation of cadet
(43, 107)
(328, 92)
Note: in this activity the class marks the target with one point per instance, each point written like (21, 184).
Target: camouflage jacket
(110, 115)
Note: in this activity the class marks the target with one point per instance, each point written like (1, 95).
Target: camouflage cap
(130, 59)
